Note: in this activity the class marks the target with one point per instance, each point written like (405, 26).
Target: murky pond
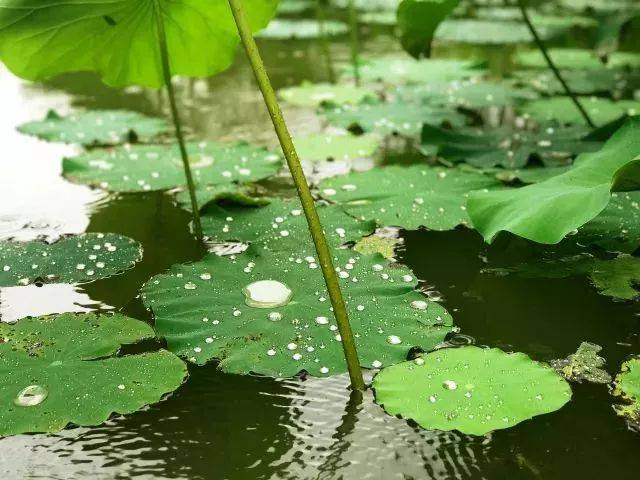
(222, 426)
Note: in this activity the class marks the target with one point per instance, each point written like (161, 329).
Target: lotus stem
(355, 41)
(308, 203)
(166, 72)
(552, 65)
(324, 40)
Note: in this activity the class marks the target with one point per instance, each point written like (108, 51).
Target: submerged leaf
(65, 369)
(80, 259)
(407, 197)
(417, 22)
(96, 127)
(141, 168)
(119, 40)
(546, 212)
(282, 325)
(584, 365)
(470, 389)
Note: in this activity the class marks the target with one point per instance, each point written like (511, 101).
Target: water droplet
(80, 266)
(360, 308)
(205, 276)
(432, 398)
(6, 268)
(449, 385)
(275, 316)
(190, 286)
(419, 361)
(121, 387)
(377, 267)
(324, 370)
(322, 320)
(419, 305)
(407, 278)
(296, 356)
(271, 352)
(343, 274)
(376, 364)
(267, 294)
(394, 340)
(292, 346)
(31, 396)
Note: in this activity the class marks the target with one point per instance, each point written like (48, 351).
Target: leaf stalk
(355, 41)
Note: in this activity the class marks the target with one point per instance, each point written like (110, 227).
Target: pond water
(221, 426)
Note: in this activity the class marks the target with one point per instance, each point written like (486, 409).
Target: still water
(232, 427)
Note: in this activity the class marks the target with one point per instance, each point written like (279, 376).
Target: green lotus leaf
(244, 194)
(546, 212)
(565, 58)
(280, 225)
(79, 259)
(582, 82)
(597, 5)
(538, 19)
(398, 70)
(282, 29)
(562, 109)
(408, 197)
(404, 118)
(624, 60)
(527, 175)
(369, 5)
(288, 7)
(141, 168)
(470, 389)
(204, 314)
(506, 147)
(385, 246)
(316, 148)
(627, 388)
(96, 127)
(314, 94)
(489, 32)
(65, 369)
(119, 40)
(583, 366)
(417, 22)
(386, 17)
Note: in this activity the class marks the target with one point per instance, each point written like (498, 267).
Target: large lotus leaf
(506, 147)
(597, 5)
(64, 369)
(489, 32)
(408, 197)
(404, 118)
(159, 167)
(313, 94)
(96, 127)
(539, 19)
(282, 29)
(417, 22)
(469, 94)
(203, 312)
(582, 82)
(397, 70)
(584, 365)
(280, 225)
(562, 109)
(627, 387)
(84, 258)
(119, 40)
(369, 5)
(286, 7)
(566, 58)
(321, 147)
(624, 60)
(546, 212)
(470, 389)
(385, 17)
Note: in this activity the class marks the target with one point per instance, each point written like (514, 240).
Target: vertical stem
(166, 72)
(308, 204)
(324, 41)
(355, 41)
(552, 66)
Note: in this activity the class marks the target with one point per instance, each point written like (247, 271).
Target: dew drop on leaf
(31, 396)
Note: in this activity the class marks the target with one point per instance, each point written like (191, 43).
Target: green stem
(552, 65)
(166, 72)
(324, 41)
(308, 204)
(355, 41)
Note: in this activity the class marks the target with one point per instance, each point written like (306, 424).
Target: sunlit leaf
(583, 366)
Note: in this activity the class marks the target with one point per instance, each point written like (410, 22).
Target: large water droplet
(394, 340)
(449, 385)
(31, 396)
(419, 304)
(267, 294)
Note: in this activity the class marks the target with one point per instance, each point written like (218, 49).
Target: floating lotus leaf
(398, 70)
(584, 365)
(562, 109)
(119, 40)
(408, 197)
(79, 259)
(203, 312)
(624, 60)
(404, 118)
(287, 7)
(417, 22)
(470, 389)
(239, 194)
(314, 94)
(65, 369)
(489, 32)
(369, 5)
(627, 388)
(96, 127)
(387, 18)
(373, 244)
(581, 82)
(597, 5)
(280, 225)
(566, 58)
(159, 167)
(538, 19)
(321, 147)
(506, 147)
(282, 29)
(546, 212)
